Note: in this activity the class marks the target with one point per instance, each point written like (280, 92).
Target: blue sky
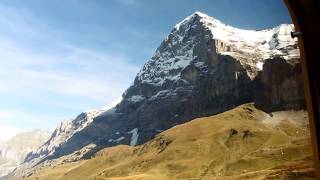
(61, 57)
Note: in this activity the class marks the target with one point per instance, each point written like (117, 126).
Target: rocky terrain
(203, 67)
(242, 143)
(14, 151)
(63, 132)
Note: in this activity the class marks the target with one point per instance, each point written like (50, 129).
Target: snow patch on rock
(134, 136)
(136, 98)
(259, 65)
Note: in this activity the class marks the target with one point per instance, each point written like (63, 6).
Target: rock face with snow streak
(203, 67)
(14, 151)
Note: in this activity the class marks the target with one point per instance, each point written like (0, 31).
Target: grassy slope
(204, 148)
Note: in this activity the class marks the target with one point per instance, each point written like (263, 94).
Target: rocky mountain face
(203, 67)
(65, 130)
(279, 86)
(14, 151)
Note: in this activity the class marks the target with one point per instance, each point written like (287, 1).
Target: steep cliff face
(279, 86)
(203, 67)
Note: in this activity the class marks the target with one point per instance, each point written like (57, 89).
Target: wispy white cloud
(38, 63)
(14, 117)
(80, 72)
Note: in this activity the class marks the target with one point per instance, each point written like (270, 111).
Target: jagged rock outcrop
(203, 67)
(65, 130)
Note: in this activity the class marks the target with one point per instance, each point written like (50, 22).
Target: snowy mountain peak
(198, 13)
(180, 48)
(196, 16)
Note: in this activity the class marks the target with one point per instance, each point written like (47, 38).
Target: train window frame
(306, 20)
